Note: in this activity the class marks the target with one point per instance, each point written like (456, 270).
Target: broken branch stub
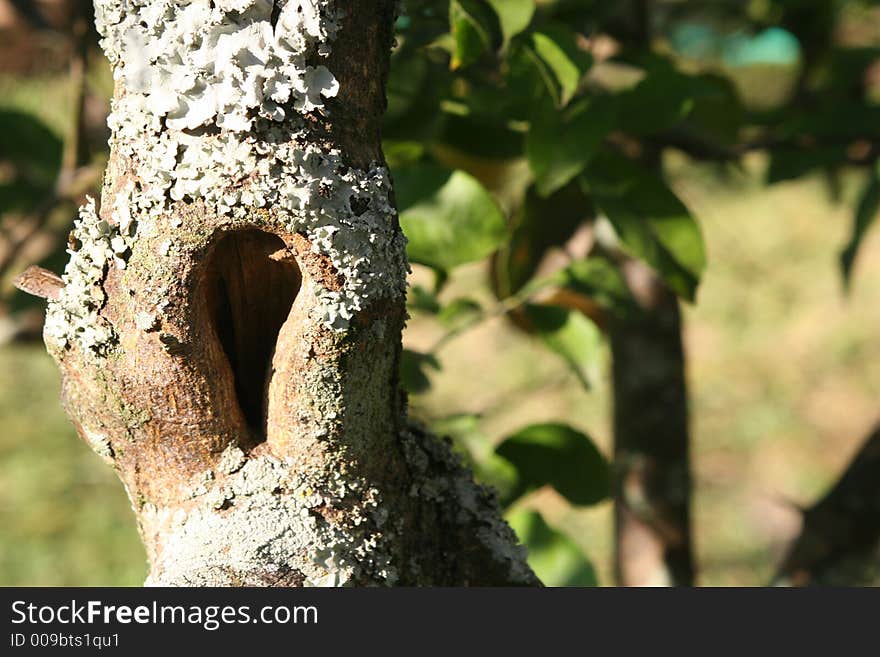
(229, 326)
(40, 283)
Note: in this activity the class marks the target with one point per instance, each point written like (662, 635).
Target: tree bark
(229, 324)
(651, 441)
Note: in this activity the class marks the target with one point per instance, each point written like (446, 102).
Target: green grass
(64, 518)
(47, 98)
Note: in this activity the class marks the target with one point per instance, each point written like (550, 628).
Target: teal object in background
(774, 46)
(695, 40)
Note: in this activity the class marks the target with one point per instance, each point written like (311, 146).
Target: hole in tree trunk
(249, 297)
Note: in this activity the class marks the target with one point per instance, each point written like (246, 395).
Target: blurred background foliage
(570, 173)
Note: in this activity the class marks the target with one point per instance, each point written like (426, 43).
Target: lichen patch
(271, 521)
(213, 104)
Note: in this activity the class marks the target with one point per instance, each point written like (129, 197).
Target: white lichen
(231, 460)
(74, 316)
(146, 321)
(212, 108)
(100, 443)
(262, 531)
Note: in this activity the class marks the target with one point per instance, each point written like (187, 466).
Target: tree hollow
(249, 297)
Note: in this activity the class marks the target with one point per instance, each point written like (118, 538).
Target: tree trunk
(651, 443)
(839, 543)
(229, 324)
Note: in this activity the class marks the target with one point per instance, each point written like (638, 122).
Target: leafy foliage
(652, 223)
(556, 559)
(31, 154)
(558, 456)
(570, 335)
(448, 217)
(560, 144)
(865, 214)
(472, 25)
(534, 133)
(414, 370)
(559, 60)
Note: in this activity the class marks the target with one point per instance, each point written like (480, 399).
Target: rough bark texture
(651, 443)
(839, 543)
(229, 329)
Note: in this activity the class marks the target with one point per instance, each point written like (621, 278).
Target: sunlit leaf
(402, 153)
(560, 456)
(560, 60)
(556, 559)
(514, 16)
(601, 282)
(570, 335)
(472, 29)
(651, 221)
(865, 214)
(449, 217)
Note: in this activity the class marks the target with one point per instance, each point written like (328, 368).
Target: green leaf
(657, 103)
(415, 90)
(570, 335)
(449, 217)
(421, 300)
(717, 110)
(540, 224)
(459, 311)
(488, 137)
(865, 214)
(402, 153)
(407, 79)
(600, 281)
(793, 163)
(651, 222)
(665, 97)
(514, 16)
(560, 144)
(30, 157)
(525, 82)
(29, 142)
(413, 370)
(472, 29)
(560, 456)
(556, 559)
(560, 60)
(464, 430)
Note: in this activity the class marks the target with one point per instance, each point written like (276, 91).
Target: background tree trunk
(228, 327)
(651, 441)
(839, 543)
